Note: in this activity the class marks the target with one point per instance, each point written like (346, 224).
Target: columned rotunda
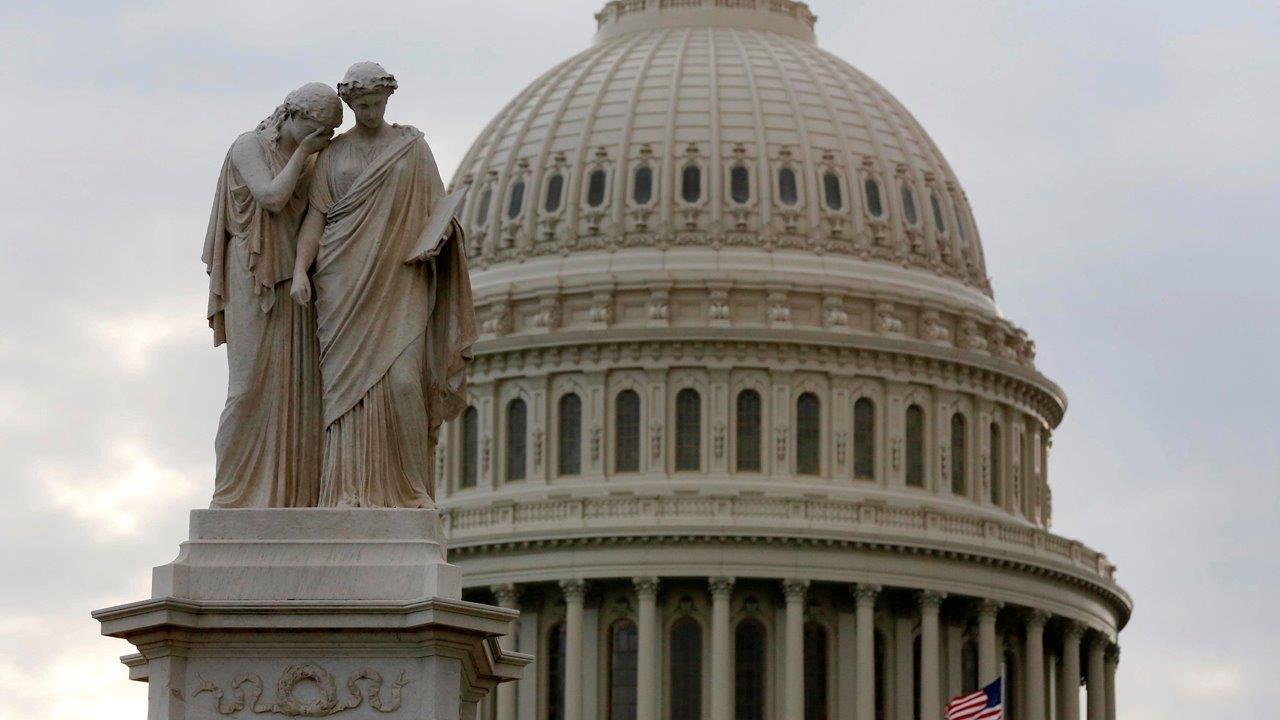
(749, 438)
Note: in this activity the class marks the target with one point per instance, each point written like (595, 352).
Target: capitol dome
(748, 436)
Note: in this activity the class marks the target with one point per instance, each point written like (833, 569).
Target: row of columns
(1101, 659)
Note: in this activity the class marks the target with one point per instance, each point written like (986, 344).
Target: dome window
(749, 670)
(875, 205)
(627, 432)
(740, 184)
(685, 643)
(938, 222)
(748, 431)
(832, 192)
(688, 430)
(864, 439)
(555, 193)
(517, 423)
(808, 434)
(470, 447)
(596, 185)
(959, 454)
(788, 188)
(996, 469)
(642, 185)
(516, 202)
(815, 671)
(623, 663)
(959, 223)
(570, 431)
(482, 212)
(909, 206)
(915, 446)
(555, 671)
(691, 184)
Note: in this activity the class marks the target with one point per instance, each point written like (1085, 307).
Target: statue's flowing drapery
(394, 336)
(268, 444)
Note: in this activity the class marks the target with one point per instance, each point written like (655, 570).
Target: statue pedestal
(313, 613)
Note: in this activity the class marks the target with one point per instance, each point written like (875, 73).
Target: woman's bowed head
(365, 88)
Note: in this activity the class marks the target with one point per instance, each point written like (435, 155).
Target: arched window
(570, 431)
(938, 222)
(881, 678)
(1019, 477)
(740, 184)
(808, 432)
(997, 477)
(517, 422)
(482, 211)
(909, 205)
(626, 428)
(875, 205)
(788, 188)
(623, 641)
(555, 193)
(915, 446)
(831, 191)
(959, 454)
(959, 222)
(688, 430)
(864, 439)
(686, 669)
(815, 671)
(691, 183)
(1012, 708)
(748, 431)
(596, 183)
(516, 203)
(555, 672)
(470, 447)
(748, 671)
(642, 185)
(968, 667)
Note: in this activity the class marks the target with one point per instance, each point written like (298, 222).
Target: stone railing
(854, 521)
(616, 9)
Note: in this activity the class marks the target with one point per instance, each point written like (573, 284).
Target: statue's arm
(273, 193)
(308, 245)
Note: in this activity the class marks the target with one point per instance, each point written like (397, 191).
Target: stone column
(794, 590)
(573, 591)
(988, 660)
(646, 648)
(721, 654)
(1034, 673)
(1113, 661)
(506, 596)
(1097, 678)
(930, 670)
(1069, 680)
(865, 637)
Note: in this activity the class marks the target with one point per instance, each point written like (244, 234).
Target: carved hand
(301, 290)
(315, 142)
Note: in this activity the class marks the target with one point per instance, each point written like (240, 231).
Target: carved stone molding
(363, 685)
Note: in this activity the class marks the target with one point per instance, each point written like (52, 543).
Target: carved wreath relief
(288, 704)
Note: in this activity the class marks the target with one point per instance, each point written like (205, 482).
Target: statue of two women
(335, 400)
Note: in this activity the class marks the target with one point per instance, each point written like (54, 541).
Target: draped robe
(268, 443)
(394, 335)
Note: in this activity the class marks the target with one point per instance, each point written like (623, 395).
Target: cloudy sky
(1123, 159)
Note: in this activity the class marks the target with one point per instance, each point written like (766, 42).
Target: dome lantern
(620, 17)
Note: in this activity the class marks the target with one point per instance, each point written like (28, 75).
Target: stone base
(313, 613)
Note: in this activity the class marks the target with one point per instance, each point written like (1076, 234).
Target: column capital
(865, 593)
(989, 609)
(721, 586)
(930, 599)
(1073, 630)
(1113, 655)
(1037, 618)
(795, 589)
(1096, 640)
(645, 586)
(573, 589)
(506, 594)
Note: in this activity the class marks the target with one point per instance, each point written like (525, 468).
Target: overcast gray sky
(1123, 159)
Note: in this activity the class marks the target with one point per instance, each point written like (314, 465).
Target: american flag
(985, 704)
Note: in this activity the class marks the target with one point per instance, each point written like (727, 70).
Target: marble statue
(395, 322)
(268, 444)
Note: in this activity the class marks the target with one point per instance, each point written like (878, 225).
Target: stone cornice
(800, 521)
